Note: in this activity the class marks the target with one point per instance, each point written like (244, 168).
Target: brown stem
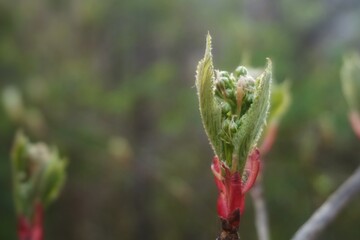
(228, 236)
(229, 232)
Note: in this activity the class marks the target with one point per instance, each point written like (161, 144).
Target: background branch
(261, 216)
(330, 209)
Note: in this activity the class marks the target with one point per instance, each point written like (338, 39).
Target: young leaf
(209, 110)
(53, 179)
(254, 119)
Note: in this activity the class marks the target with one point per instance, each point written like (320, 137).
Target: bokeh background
(111, 83)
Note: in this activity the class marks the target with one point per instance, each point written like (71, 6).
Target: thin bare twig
(330, 209)
(261, 216)
(260, 209)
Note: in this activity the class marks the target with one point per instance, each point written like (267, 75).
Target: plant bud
(233, 127)
(225, 108)
(241, 71)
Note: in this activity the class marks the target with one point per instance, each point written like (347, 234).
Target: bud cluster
(235, 94)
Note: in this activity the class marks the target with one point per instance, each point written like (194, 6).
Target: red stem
(31, 230)
(354, 118)
(269, 139)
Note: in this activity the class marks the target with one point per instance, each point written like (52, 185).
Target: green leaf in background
(280, 101)
(350, 79)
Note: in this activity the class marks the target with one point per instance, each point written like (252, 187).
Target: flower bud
(241, 71)
(225, 108)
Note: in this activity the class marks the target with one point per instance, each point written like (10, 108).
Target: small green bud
(222, 74)
(232, 79)
(247, 81)
(241, 71)
(229, 83)
(225, 108)
(220, 85)
(230, 94)
(233, 127)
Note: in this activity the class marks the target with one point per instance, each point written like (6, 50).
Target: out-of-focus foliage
(112, 84)
(350, 78)
(280, 101)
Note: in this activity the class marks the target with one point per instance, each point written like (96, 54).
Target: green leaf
(53, 179)
(18, 162)
(280, 101)
(209, 109)
(254, 119)
(350, 78)
(18, 152)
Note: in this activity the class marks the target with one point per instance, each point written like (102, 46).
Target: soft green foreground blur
(111, 83)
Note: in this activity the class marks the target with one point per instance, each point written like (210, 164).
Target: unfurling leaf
(254, 120)
(209, 110)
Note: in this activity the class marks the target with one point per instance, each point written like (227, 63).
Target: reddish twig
(354, 118)
(31, 229)
(269, 139)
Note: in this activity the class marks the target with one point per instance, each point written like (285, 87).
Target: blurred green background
(111, 83)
